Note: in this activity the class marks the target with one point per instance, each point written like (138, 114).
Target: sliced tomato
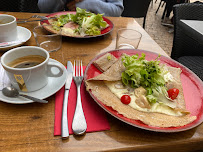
(173, 93)
(125, 99)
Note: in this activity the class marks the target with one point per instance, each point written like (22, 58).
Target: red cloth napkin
(95, 115)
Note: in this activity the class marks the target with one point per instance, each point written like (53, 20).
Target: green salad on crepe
(82, 23)
(149, 74)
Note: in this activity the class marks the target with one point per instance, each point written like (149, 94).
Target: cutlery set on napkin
(92, 119)
(79, 124)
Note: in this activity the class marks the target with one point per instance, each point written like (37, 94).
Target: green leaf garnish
(140, 72)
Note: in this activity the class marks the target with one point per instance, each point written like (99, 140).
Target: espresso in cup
(3, 21)
(8, 28)
(29, 67)
(27, 61)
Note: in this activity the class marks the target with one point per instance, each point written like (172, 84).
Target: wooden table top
(30, 127)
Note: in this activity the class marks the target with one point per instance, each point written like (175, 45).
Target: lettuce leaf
(91, 25)
(148, 74)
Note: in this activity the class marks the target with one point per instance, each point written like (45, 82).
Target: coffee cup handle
(50, 73)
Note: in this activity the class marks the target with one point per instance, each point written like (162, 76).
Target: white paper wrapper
(4, 80)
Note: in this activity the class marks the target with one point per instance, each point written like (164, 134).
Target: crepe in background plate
(64, 33)
(100, 90)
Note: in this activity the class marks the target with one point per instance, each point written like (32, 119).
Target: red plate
(103, 32)
(192, 89)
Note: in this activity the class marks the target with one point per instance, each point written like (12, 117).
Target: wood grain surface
(30, 127)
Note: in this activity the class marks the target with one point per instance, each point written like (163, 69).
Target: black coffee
(3, 22)
(27, 61)
(6, 20)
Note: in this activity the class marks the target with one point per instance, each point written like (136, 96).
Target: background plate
(192, 89)
(103, 32)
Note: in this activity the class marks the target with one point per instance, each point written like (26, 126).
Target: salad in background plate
(80, 24)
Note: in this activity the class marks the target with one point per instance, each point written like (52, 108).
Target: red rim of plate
(187, 77)
(103, 32)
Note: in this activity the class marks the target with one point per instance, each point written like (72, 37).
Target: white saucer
(54, 85)
(23, 34)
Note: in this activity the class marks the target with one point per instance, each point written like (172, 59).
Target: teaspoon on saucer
(13, 92)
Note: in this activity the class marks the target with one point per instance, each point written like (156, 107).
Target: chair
(19, 6)
(10, 5)
(136, 9)
(164, 2)
(168, 6)
(29, 6)
(186, 49)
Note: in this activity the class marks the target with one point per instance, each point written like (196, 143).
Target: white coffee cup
(8, 28)
(28, 79)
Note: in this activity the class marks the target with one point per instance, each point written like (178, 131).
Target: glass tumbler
(51, 41)
(127, 39)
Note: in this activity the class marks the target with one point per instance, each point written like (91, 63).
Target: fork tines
(77, 68)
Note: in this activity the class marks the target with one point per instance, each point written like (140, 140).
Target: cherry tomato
(125, 99)
(173, 93)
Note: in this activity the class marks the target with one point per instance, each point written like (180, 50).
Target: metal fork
(79, 124)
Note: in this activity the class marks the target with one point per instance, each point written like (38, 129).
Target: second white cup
(8, 28)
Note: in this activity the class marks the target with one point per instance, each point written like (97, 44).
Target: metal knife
(64, 122)
(36, 20)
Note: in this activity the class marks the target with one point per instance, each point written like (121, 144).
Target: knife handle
(64, 122)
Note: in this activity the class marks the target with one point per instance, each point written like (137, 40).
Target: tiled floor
(154, 28)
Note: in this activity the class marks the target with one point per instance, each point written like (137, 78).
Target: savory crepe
(109, 88)
(105, 62)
